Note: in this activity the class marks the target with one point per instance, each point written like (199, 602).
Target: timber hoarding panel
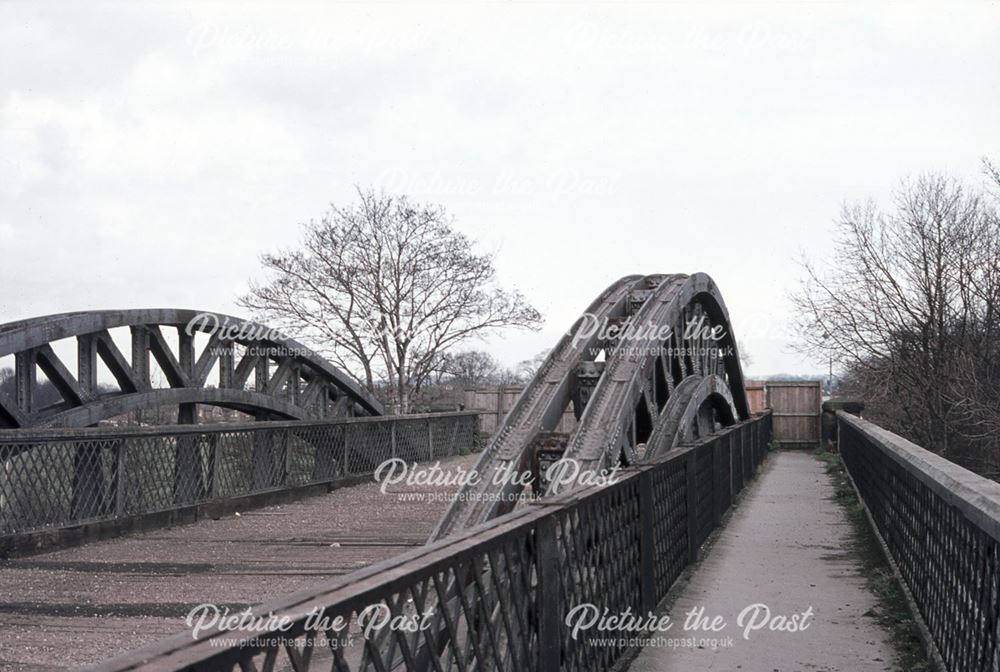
(797, 410)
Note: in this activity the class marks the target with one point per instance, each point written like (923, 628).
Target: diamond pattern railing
(940, 523)
(495, 597)
(67, 477)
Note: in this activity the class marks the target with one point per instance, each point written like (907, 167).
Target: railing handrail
(355, 587)
(42, 435)
(976, 496)
(365, 585)
(56, 483)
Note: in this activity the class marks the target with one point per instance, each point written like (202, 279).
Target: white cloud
(7, 232)
(582, 142)
(162, 124)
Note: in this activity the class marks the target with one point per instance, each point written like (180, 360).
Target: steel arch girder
(598, 439)
(539, 406)
(673, 292)
(677, 422)
(34, 336)
(119, 404)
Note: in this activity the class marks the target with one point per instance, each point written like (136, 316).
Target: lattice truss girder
(660, 368)
(272, 377)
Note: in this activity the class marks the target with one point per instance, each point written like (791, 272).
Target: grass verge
(892, 610)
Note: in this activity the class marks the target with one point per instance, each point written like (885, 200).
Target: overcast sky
(149, 154)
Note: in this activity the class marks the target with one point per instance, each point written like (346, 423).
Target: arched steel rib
(705, 390)
(87, 407)
(539, 408)
(680, 415)
(240, 400)
(599, 438)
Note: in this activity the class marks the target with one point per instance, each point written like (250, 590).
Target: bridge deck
(65, 608)
(789, 547)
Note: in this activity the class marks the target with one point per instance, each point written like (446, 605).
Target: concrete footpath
(786, 546)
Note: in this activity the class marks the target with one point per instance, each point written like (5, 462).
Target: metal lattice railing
(68, 477)
(496, 597)
(941, 525)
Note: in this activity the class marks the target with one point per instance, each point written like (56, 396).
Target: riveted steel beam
(299, 378)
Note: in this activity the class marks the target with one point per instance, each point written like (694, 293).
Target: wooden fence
(492, 403)
(796, 406)
(756, 395)
(797, 412)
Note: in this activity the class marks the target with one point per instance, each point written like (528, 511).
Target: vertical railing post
(727, 464)
(757, 444)
(261, 460)
(762, 445)
(691, 481)
(717, 480)
(286, 456)
(453, 448)
(755, 455)
(120, 480)
(430, 440)
(747, 451)
(392, 438)
(647, 543)
(213, 466)
(744, 440)
(734, 451)
(347, 447)
(549, 605)
(758, 425)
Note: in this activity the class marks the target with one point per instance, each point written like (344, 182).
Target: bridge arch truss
(652, 363)
(257, 370)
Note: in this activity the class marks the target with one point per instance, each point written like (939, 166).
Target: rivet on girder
(587, 375)
(616, 325)
(636, 298)
(547, 448)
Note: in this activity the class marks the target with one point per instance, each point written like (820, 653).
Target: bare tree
(992, 173)
(527, 368)
(46, 394)
(508, 375)
(385, 287)
(471, 368)
(908, 310)
(746, 359)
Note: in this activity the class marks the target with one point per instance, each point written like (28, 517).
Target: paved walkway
(786, 546)
(61, 609)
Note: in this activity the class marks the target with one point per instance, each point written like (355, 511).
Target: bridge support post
(430, 440)
(119, 482)
(25, 376)
(748, 443)
(86, 363)
(262, 457)
(212, 481)
(549, 602)
(725, 474)
(690, 472)
(736, 465)
(718, 480)
(285, 457)
(647, 543)
(189, 479)
(345, 454)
